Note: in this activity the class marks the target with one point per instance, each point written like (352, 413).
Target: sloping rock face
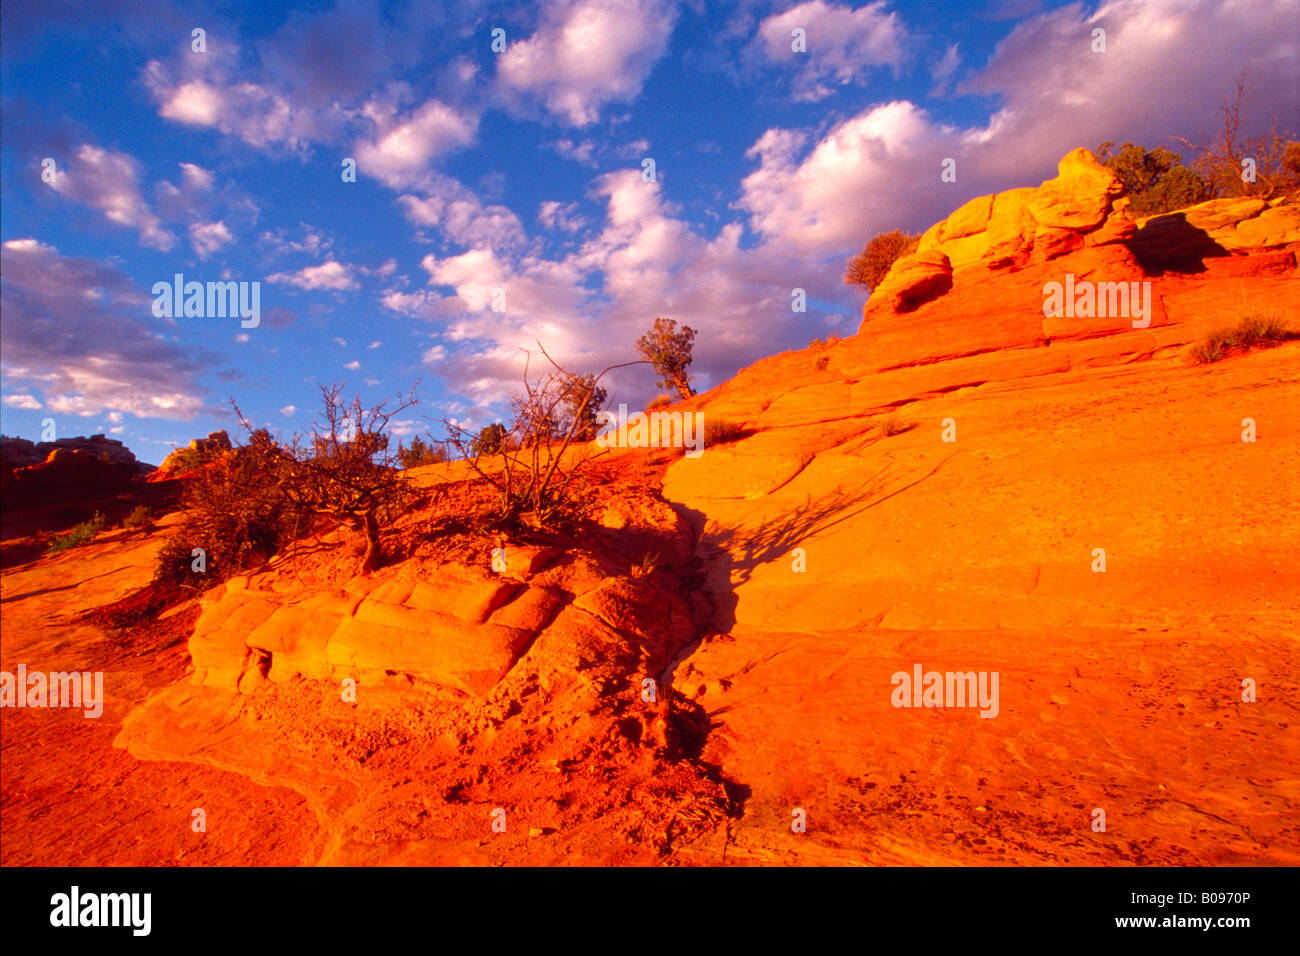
(459, 627)
(1065, 501)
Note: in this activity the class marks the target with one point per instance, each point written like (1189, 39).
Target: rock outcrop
(1082, 208)
(19, 452)
(67, 475)
(182, 460)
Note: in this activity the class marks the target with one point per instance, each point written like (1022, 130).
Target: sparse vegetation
(140, 517)
(536, 462)
(893, 424)
(669, 351)
(661, 400)
(421, 453)
(82, 533)
(254, 500)
(822, 362)
(869, 267)
(184, 459)
(1219, 161)
(646, 566)
(720, 431)
(1254, 331)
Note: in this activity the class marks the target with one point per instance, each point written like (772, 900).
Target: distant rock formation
(21, 453)
(66, 475)
(185, 459)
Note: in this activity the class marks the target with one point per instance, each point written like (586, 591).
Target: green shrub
(82, 533)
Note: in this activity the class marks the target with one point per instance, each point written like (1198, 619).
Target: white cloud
(461, 216)
(27, 402)
(401, 151)
(196, 177)
(580, 152)
(313, 242)
(585, 54)
(241, 338)
(209, 237)
(557, 215)
(109, 182)
(842, 43)
(259, 114)
(328, 275)
(340, 342)
(352, 366)
(876, 168)
(375, 344)
(288, 410)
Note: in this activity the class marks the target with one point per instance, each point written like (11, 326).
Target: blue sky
(522, 170)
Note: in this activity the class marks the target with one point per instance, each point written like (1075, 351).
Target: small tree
(1155, 180)
(420, 453)
(869, 267)
(583, 398)
(489, 441)
(669, 351)
(1219, 162)
(346, 470)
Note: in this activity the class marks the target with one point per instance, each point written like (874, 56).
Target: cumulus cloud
(259, 114)
(842, 43)
(585, 54)
(461, 216)
(878, 167)
(28, 402)
(109, 182)
(331, 275)
(401, 151)
(588, 307)
(83, 334)
(352, 366)
(209, 237)
(288, 410)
